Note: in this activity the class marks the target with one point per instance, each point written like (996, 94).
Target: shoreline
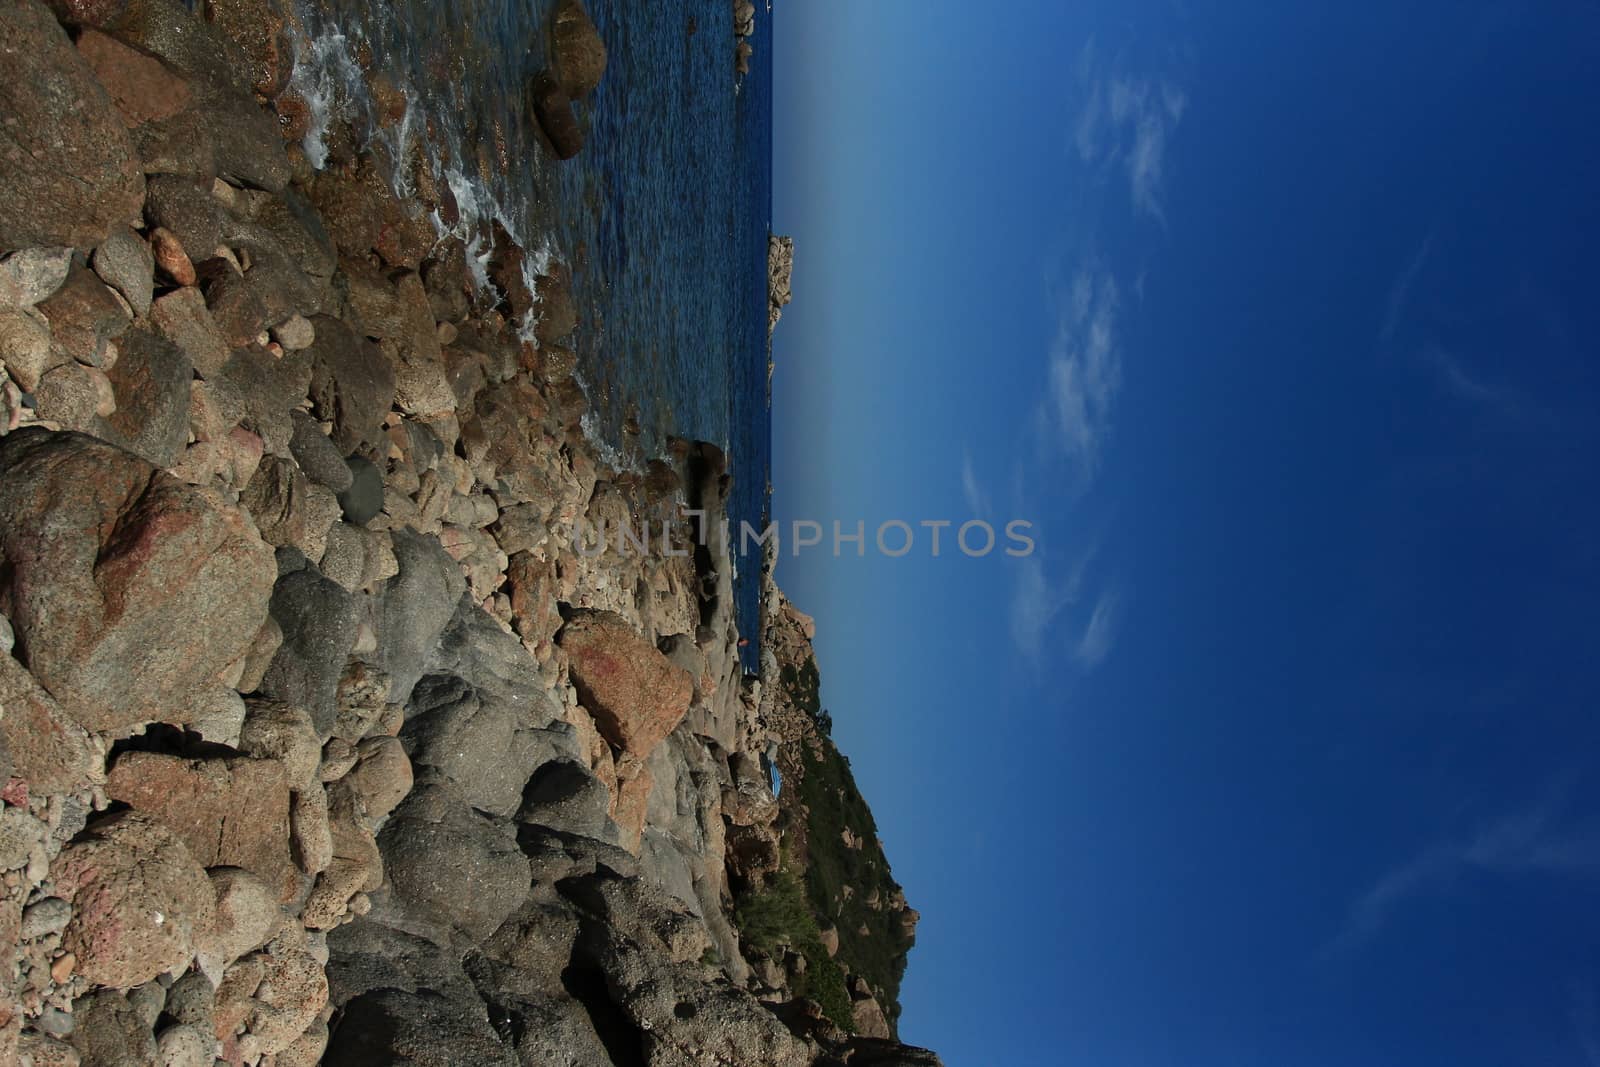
(320, 739)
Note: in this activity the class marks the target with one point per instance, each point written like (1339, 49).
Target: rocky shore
(322, 740)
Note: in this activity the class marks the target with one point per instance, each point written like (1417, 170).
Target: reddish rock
(71, 173)
(142, 89)
(171, 259)
(229, 812)
(636, 695)
(140, 900)
(49, 752)
(128, 590)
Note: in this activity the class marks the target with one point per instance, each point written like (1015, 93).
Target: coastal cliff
(326, 738)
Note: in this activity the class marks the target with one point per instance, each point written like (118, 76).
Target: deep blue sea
(663, 216)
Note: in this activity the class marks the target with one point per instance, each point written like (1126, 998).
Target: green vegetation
(779, 917)
(843, 875)
(828, 789)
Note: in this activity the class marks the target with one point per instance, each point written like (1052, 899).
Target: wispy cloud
(1461, 382)
(1035, 604)
(1530, 842)
(1084, 369)
(1400, 290)
(977, 499)
(1095, 644)
(1128, 120)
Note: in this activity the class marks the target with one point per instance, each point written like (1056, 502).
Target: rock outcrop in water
(322, 739)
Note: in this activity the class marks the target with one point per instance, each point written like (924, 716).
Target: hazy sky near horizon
(1279, 322)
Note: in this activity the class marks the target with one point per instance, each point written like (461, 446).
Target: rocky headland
(322, 739)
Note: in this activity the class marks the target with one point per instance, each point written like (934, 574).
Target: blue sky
(1278, 321)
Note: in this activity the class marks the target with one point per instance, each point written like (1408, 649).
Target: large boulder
(636, 695)
(580, 54)
(129, 591)
(451, 866)
(229, 812)
(319, 621)
(151, 380)
(352, 384)
(71, 172)
(139, 900)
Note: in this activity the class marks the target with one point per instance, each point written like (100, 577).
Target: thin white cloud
(1095, 644)
(1460, 382)
(1084, 370)
(1128, 121)
(1400, 291)
(1035, 603)
(1525, 843)
(972, 489)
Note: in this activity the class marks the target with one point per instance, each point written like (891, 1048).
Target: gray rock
(235, 305)
(8, 637)
(352, 384)
(47, 916)
(125, 263)
(450, 865)
(368, 955)
(295, 333)
(345, 559)
(191, 1000)
(182, 317)
(318, 456)
(108, 1032)
(54, 1022)
(563, 795)
(148, 1000)
(415, 608)
(362, 499)
(475, 648)
(391, 1026)
(186, 208)
(151, 380)
(32, 275)
(318, 620)
(71, 173)
(485, 744)
(271, 388)
(186, 1046)
(219, 717)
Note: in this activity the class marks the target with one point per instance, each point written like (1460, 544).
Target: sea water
(663, 217)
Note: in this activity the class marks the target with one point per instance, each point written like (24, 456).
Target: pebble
(47, 916)
(62, 968)
(170, 256)
(295, 333)
(53, 1022)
